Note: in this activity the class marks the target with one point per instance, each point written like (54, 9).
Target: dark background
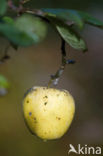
(32, 66)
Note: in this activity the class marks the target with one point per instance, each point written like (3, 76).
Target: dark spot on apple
(35, 120)
(58, 118)
(45, 97)
(65, 92)
(30, 113)
(45, 103)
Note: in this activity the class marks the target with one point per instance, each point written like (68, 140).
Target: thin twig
(21, 9)
(24, 1)
(55, 78)
(12, 6)
(6, 56)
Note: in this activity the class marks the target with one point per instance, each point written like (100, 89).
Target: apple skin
(48, 112)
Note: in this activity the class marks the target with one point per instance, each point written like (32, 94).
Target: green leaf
(65, 15)
(33, 26)
(69, 34)
(8, 20)
(25, 31)
(78, 17)
(63, 18)
(3, 6)
(4, 85)
(14, 46)
(90, 19)
(71, 37)
(4, 82)
(15, 36)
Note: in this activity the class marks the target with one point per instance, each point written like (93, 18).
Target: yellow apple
(48, 112)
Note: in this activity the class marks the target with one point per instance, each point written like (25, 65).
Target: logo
(85, 150)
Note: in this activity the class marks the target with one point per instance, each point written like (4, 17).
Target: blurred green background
(32, 66)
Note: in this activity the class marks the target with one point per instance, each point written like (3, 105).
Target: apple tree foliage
(29, 26)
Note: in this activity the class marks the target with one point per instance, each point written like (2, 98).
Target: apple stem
(64, 61)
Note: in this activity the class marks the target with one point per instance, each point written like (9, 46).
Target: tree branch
(12, 6)
(21, 9)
